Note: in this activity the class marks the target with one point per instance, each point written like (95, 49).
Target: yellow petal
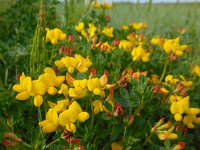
(83, 116)
(38, 100)
(52, 90)
(71, 127)
(23, 95)
(17, 88)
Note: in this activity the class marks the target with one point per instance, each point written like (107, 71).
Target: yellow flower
(83, 116)
(38, 100)
(23, 88)
(180, 107)
(79, 27)
(107, 5)
(108, 31)
(98, 106)
(125, 27)
(55, 35)
(172, 45)
(170, 79)
(116, 146)
(63, 90)
(91, 29)
(189, 120)
(68, 117)
(51, 123)
(196, 70)
(97, 5)
(60, 106)
(95, 86)
(139, 26)
(50, 80)
(38, 89)
(79, 90)
(139, 53)
(186, 83)
(124, 44)
(163, 135)
(77, 62)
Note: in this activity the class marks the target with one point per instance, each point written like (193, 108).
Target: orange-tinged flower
(116, 146)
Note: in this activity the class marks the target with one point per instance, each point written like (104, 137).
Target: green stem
(92, 111)
(40, 119)
(6, 76)
(52, 54)
(164, 71)
(148, 138)
(55, 141)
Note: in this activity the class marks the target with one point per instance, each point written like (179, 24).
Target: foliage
(105, 88)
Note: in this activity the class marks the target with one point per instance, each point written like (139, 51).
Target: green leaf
(64, 142)
(108, 106)
(124, 94)
(167, 144)
(105, 116)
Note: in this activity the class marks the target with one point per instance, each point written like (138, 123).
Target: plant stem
(55, 141)
(92, 111)
(40, 119)
(164, 71)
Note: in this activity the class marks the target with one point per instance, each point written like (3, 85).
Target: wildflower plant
(108, 88)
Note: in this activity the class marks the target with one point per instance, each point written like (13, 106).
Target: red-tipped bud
(70, 38)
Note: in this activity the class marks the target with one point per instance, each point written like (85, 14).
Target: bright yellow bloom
(38, 100)
(83, 116)
(180, 107)
(60, 106)
(172, 45)
(97, 86)
(91, 29)
(79, 27)
(139, 53)
(38, 89)
(107, 5)
(23, 88)
(190, 119)
(186, 83)
(50, 80)
(51, 123)
(125, 27)
(55, 35)
(157, 41)
(139, 26)
(98, 106)
(97, 5)
(77, 62)
(124, 44)
(196, 70)
(63, 90)
(170, 79)
(68, 117)
(108, 31)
